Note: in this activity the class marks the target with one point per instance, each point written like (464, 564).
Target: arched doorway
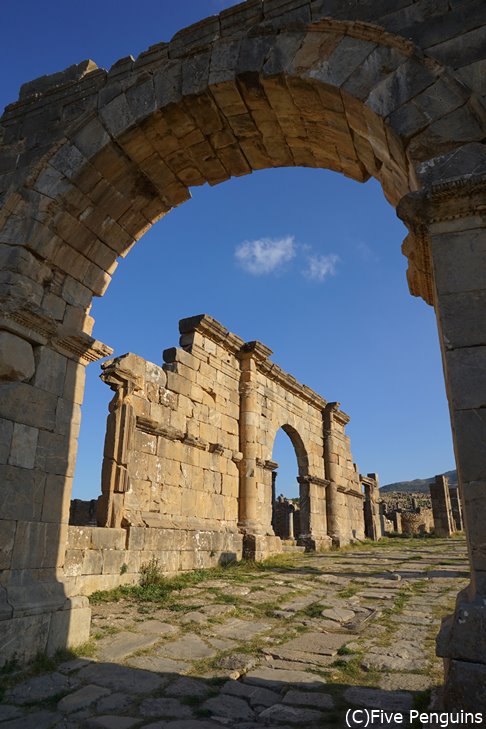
(289, 501)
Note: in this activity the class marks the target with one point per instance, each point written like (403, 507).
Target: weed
(124, 568)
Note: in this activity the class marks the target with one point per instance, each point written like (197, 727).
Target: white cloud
(265, 255)
(319, 267)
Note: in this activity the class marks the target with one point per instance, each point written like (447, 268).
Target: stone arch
(300, 450)
(91, 159)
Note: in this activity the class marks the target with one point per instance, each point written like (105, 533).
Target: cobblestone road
(295, 642)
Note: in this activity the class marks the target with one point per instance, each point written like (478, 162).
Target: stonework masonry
(187, 469)
(90, 159)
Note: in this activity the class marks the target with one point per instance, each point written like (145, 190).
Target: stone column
(331, 470)
(441, 507)
(313, 517)
(250, 418)
(42, 367)
(371, 506)
(120, 430)
(447, 248)
(456, 508)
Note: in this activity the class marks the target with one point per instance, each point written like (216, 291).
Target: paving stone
(81, 698)
(278, 680)
(155, 626)
(116, 702)
(373, 698)
(189, 647)
(228, 706)
(312, 699)
(339, 615)
(221, 644)
(405, 682)
(238, 662)
(194, 616)
(291, 714)
(326, 644)
(164, 707)
(314, 659)
(9, 712)
(36, 720)
(40, 688)
(159, 664)
(74, 665)
(117, 647)
(112, 722)
(122, 678)
(254, 694)
(187, 687)
(240, 630)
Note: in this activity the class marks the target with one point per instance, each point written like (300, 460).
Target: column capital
(436, 206)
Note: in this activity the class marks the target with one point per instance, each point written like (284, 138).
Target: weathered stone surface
(386, 700)
(311, 699)
(279, 680)
(41, 688)
(121, 678)
(16, 358)
(167, 708)
(229, 706)
(292, 714)
(117, 647)
(188, 647)
(81, 698)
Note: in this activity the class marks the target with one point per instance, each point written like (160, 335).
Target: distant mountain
(419, 485)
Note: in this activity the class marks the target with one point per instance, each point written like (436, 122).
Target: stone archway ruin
(91, 159)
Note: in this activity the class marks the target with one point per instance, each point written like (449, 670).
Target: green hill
(419, 485)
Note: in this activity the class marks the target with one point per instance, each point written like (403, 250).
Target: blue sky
(307, 261)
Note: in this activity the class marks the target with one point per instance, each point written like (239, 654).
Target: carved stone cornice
(40, 329)
(450, 200)
(266, 464)
(351, 492)
(256, 350)
(332, 413)
(453, 199)
(313, 479)
(213, 330)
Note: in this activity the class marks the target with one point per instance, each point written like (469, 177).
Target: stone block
(50, 370)
(78, 537)
(104, 538)
(461, 318)
(6, 432)
(113, 560)
(24, 444)
(455, 272)
(74, 382)
(73, 562)
(92, 562)
(466, 373)
(29, 405)
(56, 454)
(37, 545)
(22, 493)
(470, 430)
(23, 637)
(68, 629)
(16, 358)
(136, 538)
(7, 536)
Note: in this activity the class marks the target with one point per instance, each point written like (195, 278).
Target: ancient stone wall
(189, 445)
(103, 558)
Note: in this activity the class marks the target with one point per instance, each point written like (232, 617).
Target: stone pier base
(259, 547)
(315, 544)
(22, 638)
